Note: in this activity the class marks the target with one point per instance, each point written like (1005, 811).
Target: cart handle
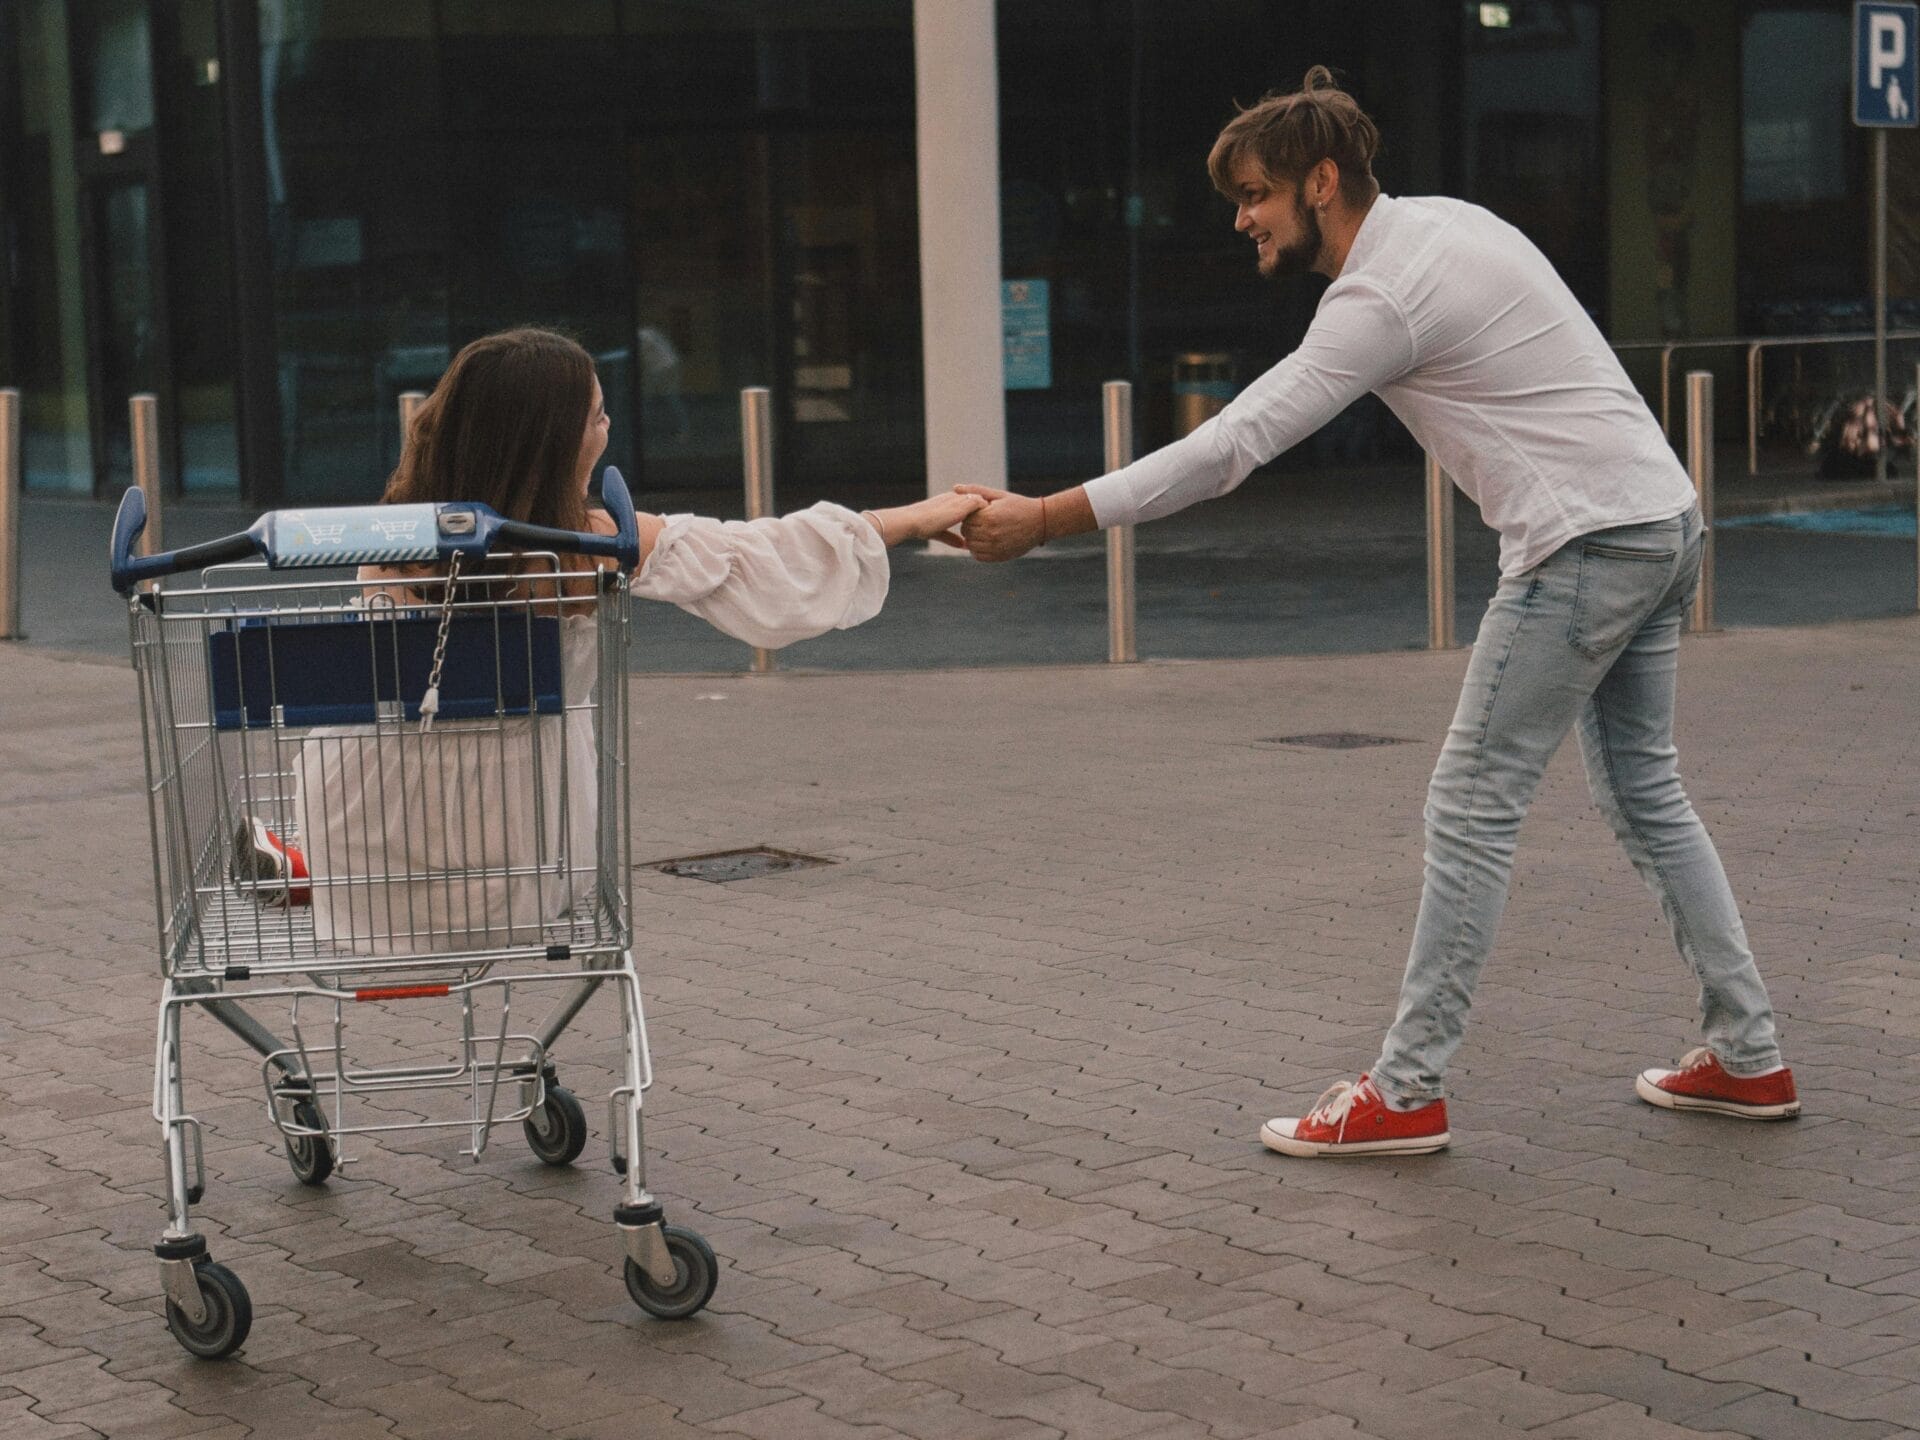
(371, 534)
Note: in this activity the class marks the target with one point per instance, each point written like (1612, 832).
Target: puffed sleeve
(770, 582)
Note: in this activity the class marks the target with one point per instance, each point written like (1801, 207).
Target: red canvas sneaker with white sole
(1698, 1083)
(1352, 1119)
(267, 867)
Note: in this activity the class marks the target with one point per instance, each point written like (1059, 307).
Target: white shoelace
(1333, 1107)
(1699, 1055)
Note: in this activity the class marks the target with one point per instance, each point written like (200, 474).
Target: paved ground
(970, 1115)
(1329, 562)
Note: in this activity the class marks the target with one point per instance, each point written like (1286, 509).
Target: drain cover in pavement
(1335, 740)
(724, 865)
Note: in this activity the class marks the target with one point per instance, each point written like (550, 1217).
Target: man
(1455, 320)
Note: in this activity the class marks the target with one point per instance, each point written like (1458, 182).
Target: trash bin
(1203, 383)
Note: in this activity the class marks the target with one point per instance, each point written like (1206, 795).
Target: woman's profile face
(593, 444)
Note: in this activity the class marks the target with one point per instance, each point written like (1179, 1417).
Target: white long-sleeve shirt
(770, 582)
(1464, 328)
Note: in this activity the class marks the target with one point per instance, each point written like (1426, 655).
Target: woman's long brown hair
(504, 427)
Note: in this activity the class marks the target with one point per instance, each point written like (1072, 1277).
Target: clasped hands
(992, 524)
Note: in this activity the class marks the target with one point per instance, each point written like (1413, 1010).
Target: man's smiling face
(1285, 233)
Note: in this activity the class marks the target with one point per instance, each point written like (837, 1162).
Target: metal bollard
(756, 443)
(1116, 400)
(10, 486)
(1439, 558)
(143, 419)
(1700, 466)
(410, 403)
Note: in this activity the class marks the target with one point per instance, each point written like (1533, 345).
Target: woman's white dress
(481, 833)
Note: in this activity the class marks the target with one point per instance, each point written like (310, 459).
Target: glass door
(124, 320)
(847, 307)
(116, 156)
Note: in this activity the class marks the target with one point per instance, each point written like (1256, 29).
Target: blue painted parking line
(1891, 521)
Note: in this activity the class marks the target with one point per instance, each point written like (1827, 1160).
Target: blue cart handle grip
(623, 545)
(129, 569)
(371, 534)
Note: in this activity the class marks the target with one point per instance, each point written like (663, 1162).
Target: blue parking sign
(1886, 68)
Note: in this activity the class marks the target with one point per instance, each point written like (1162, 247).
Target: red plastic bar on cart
(401, 992)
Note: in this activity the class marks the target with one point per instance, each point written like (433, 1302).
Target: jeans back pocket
(1620, 585)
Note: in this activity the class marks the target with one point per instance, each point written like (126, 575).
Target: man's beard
(1297, 259)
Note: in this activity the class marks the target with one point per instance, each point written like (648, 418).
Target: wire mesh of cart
(387, 762)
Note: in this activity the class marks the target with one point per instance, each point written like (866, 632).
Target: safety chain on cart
(430, 702)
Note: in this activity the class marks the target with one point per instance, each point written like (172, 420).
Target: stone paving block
(148, 1417)
(638, 1416)
(1394, 1415)
(1184, 1296)
(923, 1304)
(939, 1415)
(798, 1419)
(1770, 1415)
(19, 1422)
(1511, 1398)
(747, 1348)
(697, 1387)
(1219, 1404)
(70, 1384)
(1622, 1421)
(1899, 1364)
(1697, 1308)
(290, 1408)
(1563, 1365)
(1812, 1385)
(1325, 1427)
(1840, 1305)
(1400, 1363)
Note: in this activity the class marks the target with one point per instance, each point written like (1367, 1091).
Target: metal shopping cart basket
(367, 791)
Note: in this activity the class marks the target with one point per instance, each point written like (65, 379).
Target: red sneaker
(1352, 1119)
(1700, 1084)
(268, 868)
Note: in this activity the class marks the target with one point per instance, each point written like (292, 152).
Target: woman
(480, 833)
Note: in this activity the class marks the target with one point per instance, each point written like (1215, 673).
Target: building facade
(279, 215)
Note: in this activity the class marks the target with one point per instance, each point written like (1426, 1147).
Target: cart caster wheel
(229, 1314)
(557, 1130)
(311, 1156)
(696, 1272)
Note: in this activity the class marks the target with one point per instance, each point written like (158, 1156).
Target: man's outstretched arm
(1358, 341)
(1010, 525)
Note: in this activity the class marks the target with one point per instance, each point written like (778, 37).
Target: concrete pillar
(957, 116)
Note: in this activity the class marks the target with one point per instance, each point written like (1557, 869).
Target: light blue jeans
(1590, 635)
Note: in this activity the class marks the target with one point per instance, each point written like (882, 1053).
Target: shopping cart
(381, 792)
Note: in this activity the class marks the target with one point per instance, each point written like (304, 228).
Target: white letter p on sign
(1886, 47)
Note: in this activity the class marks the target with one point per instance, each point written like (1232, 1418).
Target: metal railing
(10, 487)
(143, 418)
(1755, 347)
(1439, 558)
(1700, 467)
(1116, 398)
(410, 403)
(756, 447)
